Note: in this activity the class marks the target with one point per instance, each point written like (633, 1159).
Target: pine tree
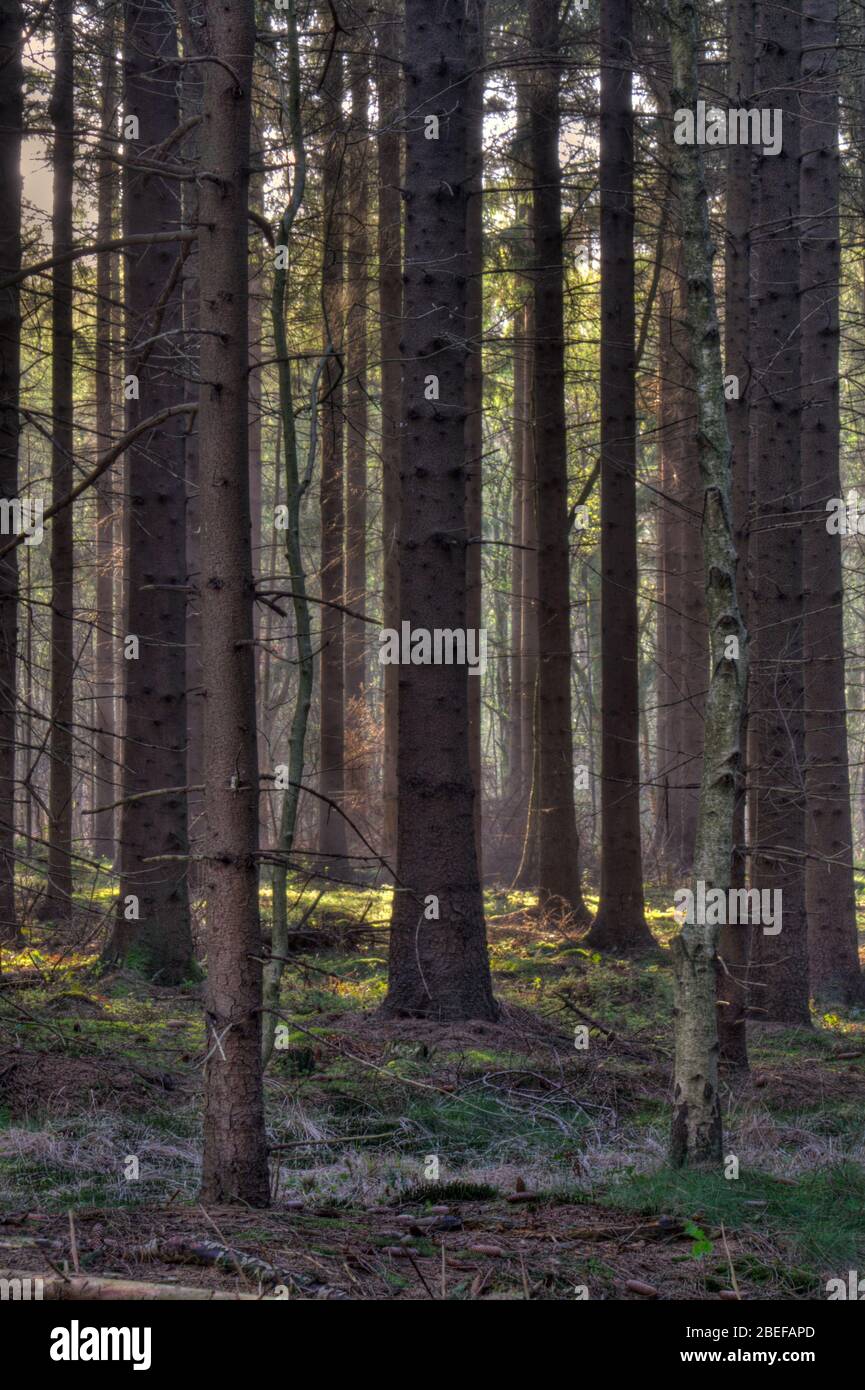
(438, 955)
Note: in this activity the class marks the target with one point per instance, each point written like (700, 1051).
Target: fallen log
(182, 1250)
(52, 1288)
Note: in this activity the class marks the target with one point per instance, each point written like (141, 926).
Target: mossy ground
(100, 1093)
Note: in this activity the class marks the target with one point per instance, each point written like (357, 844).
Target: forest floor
(481, 1160)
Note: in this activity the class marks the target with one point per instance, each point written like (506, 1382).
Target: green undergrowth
(819, 1219)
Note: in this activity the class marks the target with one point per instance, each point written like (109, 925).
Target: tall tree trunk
(438, 966)
(106, 642)
(235, 1154)
(11, 123)
(666, 627)
(57, 903)
(620, 924)
(523, 560)
(696, 1130)
(331, 825)
(152, 925)
(683, 651)
(356, 426)
(257, 297)
(390, 318)
(515, 728)
(829, 889)
(779, 962)
(295, 492)
(529, 866)
(474, 433)
(192, 15)
(559, 853)
(733, 942)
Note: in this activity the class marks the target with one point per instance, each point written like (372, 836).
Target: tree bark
(356, 427)
(295, 491)
(235, 1154)
(257, 297)
(11, 124)
(519, 361)
(696, 1129)
(829, 888)
(474, 430)
(683, 656)
(389, 319)
(559, 845)
(523, 661)
(527, 875)
(57, 903)
(438, 966)
(105, 775)
(733, 942)
(152, 927)
(620, 924)
(331, 825)
(779, 963)
(190, 98)
(666, 629)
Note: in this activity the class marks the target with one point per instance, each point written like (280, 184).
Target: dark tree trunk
(779, 963)
(620, 924)
(257, 296)
(106, 642)
(235, 1154)
(331, 825)
(190, 109)
(829, 888)
(474, 435)
(152, 924)
(733, 940)
(57, 904)
(515, 727)
(390, 317)
(439, 966)
(559, 845)
(666, 626)
(11, 122)
(356, 425)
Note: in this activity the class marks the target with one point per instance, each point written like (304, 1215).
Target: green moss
(819, 1217)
